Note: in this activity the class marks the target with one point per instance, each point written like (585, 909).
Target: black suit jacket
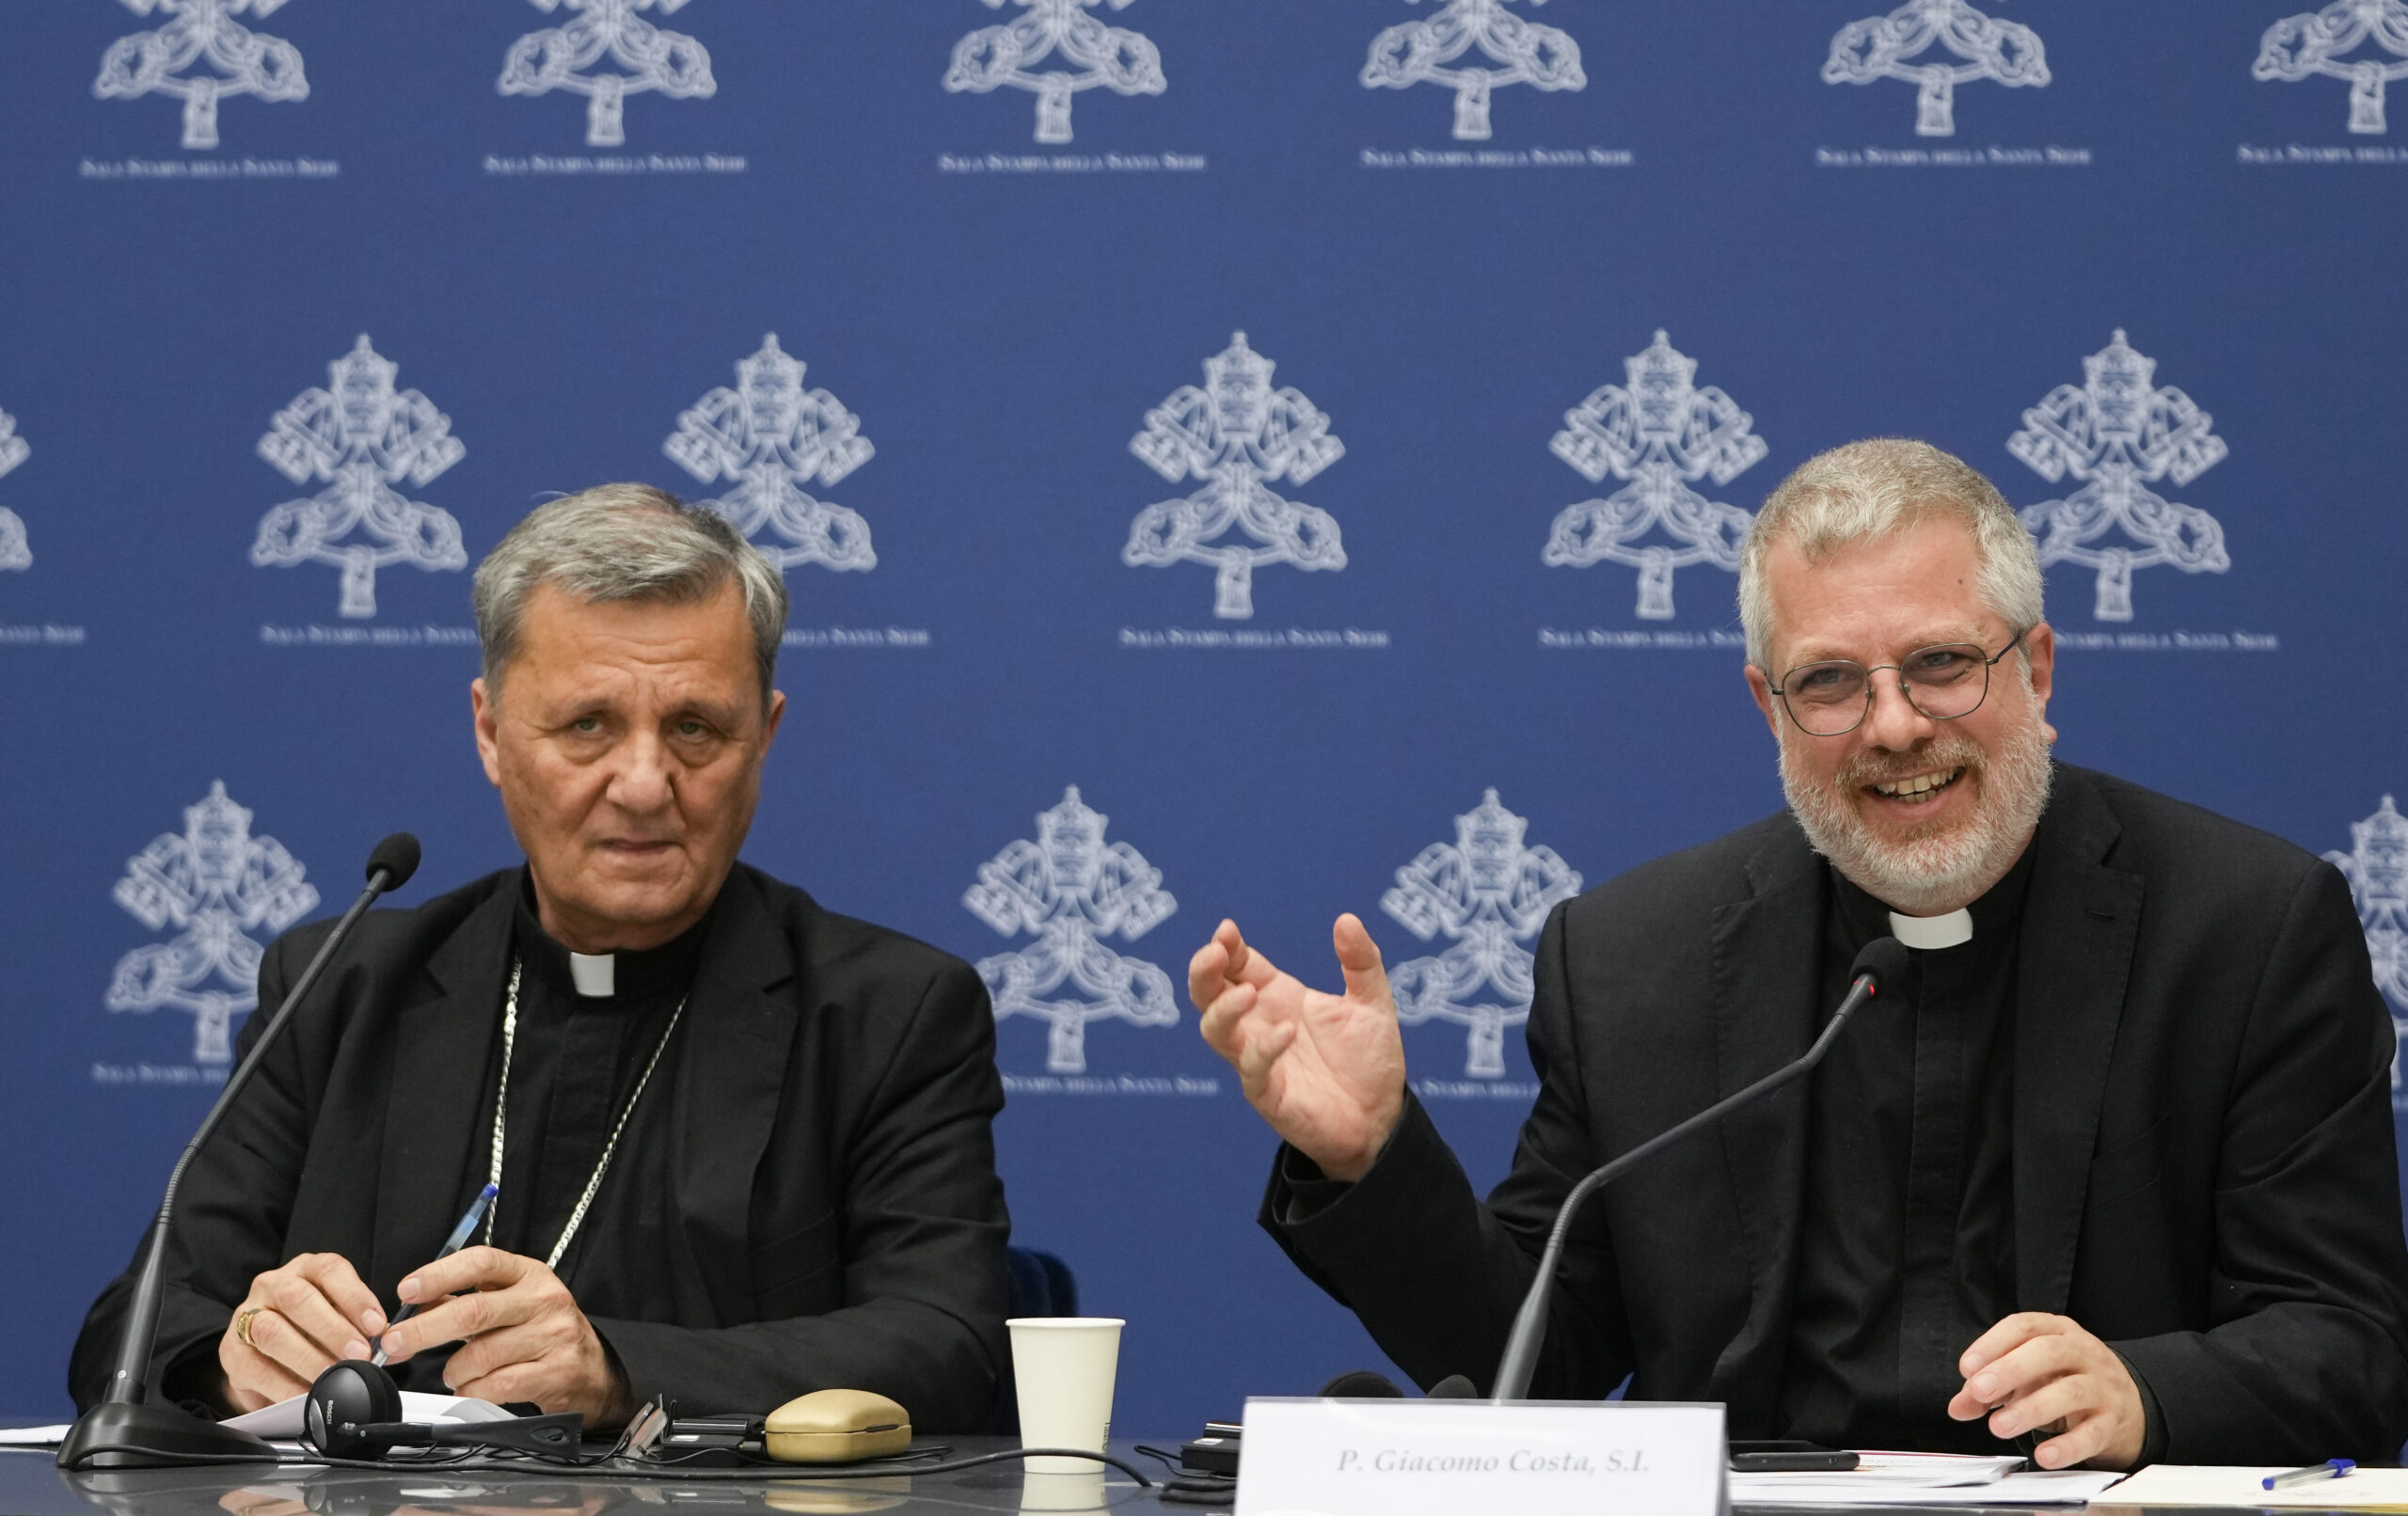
(834, 1172)
(2204, 1169)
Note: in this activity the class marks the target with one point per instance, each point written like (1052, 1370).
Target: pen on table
(2332, 1468)
(458, 1240)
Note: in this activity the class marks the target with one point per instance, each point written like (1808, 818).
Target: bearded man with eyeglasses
(2109, 1179)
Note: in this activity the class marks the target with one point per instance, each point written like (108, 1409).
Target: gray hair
(625, 542)
(1869, 490)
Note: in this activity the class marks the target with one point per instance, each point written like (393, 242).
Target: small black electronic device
(354, 1411)
(1209, 1454)
(1789, 1457)
(711, 1441)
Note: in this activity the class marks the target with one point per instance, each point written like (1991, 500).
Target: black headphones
(354, 1411)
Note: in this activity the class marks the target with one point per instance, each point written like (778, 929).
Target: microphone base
(113, 1435)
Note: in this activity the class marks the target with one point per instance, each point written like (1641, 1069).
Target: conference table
(31, 1484)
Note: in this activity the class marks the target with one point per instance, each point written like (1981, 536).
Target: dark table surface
(31, 1484)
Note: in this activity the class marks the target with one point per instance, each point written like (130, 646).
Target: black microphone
(1882, 961)
(1360, 1384)
(123, 1431)
(354, 1411)
(1364, 1384)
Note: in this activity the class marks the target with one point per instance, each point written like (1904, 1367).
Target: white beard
(1927, 874)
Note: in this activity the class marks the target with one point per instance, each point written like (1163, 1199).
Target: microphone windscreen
(1361, 1384)
(1884, 958)
(1454, 1387)
(397, 855)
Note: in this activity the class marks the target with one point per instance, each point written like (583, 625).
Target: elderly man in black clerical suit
(742, 1143)
(2111, 1173)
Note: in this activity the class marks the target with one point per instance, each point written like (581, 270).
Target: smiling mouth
(1918, 789)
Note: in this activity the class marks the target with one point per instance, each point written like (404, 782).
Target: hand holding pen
(458, 1240)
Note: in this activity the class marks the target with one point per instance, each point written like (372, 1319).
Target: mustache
(1862, 768)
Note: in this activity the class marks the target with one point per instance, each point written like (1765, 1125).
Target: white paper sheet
(1883, 1478)
(2057, 1487)
(1896, 1471)
(282, 1420)
(33, 1436)
(2215, 1484)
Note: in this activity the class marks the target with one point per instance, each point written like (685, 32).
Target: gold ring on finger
(243, 1319)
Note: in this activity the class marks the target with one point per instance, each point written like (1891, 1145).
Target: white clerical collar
(598, 974)
(1948, 931)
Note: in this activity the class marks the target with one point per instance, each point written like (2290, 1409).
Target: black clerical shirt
(1906, 1246)
(573, 1065)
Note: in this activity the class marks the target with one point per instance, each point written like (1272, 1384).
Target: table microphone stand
(125, 1430)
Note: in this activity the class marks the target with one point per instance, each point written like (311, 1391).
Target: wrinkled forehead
(566, 642)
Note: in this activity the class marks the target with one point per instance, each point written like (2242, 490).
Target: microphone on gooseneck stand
(123, 1430)
(1882, 961)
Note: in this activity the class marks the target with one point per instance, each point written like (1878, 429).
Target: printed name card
(1443, 1458)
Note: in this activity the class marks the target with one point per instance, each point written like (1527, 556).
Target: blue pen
(458, 1240)
(2332, 1468)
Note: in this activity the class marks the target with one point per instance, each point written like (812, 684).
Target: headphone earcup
(352, 1392)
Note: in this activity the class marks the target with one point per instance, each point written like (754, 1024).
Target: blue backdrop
(1478, 518)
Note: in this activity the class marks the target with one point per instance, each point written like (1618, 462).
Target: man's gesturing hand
(2036, 1372)
(300, 1319)
(525, 1339)
(1327, 1071)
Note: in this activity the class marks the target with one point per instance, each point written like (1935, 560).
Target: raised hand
(1327, 1071)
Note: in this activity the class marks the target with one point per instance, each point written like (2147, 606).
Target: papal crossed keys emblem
(217, 882)
(15, 553)
(1979, 47)
(1490, 892)
(1092, 54)
(1072, 890)
(359, 436)
(2376, 866)
(201, 35)
(1236, 434)
(769, 437)
(646, 57)
(1663, 434)
(1432, 48)
(2321, 41)
(2119, 433)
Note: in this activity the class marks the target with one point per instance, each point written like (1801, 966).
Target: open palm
(1327, 1071)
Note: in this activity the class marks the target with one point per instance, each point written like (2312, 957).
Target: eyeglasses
(1830, 700)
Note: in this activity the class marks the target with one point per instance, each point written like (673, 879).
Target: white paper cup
(1064, 1367)
(1062, 1492)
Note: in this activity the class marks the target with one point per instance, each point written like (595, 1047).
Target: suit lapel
(2079, 923)
(442, 1046)
(1766, 965)
(731, 1077)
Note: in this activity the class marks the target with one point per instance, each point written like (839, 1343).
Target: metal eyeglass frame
(1905, 686)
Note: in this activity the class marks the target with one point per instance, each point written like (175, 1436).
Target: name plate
(1443, 1458)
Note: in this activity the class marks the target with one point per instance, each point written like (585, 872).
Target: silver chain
(502, 1105)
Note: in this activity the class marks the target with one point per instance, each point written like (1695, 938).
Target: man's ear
(1761, 687)
(777, 713)
(488, 736)
(2041, 642)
